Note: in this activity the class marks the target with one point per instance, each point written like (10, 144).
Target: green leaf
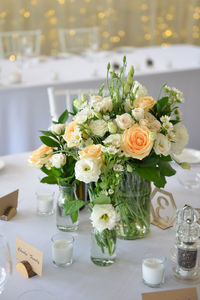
(48, 133)
(48, 141)
(166, 169)
(103, 185)
(49, 180)
(100, 93)
(64, 117)
(72, 206)
(74, 216)
(150, 173)
(103, 199)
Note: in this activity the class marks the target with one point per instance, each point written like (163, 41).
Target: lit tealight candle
(153, 271)
(62, 250)
(44, 204)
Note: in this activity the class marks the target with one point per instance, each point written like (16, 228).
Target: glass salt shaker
(187, 243)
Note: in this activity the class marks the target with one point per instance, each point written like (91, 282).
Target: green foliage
(49, 141)
(63, 117)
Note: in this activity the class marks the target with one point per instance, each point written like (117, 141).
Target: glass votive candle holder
(153, 270)
(45, 204)
(62, 249)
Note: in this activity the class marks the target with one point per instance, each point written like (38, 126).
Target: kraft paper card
(27, 252)
(182, 294)
(9, 200)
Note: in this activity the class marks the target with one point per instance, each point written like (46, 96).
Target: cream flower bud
(57, 128)
(112, 127)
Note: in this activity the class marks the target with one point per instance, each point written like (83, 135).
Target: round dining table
(82, 280)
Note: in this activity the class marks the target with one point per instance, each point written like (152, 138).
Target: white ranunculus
(98, 127)
(114, 140)
(124, 121)
(104, 216)
(141, 91)
(138, 113)
(58, 160)
(162, 145)
(57, 128)
(101, 104)
(181, 138)
(87, 170)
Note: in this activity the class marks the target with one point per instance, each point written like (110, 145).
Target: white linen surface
(82, 280)
(24, 108)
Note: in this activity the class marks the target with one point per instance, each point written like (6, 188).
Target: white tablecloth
(24, 108)
(82, 280)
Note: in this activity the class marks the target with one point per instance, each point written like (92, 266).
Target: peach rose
(36, 160)
(69, 130)
(92, 151)
(136, 142)
(144, 102)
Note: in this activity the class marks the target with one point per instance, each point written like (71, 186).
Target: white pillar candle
(153, 270)
(44, 203)
(62, 252)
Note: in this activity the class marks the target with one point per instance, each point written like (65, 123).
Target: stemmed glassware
(5, 263)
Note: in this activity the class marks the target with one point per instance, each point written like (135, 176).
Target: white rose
(152, 123)
(58, 160)
(87, 170)
(98, 127)
(162, 145)
(141, 91)
(114, 140)
(124, 121)
(104, 216)
(181, 139)
(138, 113)
(57, 128)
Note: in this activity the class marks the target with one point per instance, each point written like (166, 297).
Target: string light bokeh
(120, 23)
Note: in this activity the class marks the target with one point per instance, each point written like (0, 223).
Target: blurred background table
(24, 108)
(82, 280)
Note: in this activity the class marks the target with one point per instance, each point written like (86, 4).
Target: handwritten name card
(27, 252)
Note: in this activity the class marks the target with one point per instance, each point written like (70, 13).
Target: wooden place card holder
(163, 208)
(8, 206)
(30, 259)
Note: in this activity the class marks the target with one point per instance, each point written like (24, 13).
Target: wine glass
(5, 263)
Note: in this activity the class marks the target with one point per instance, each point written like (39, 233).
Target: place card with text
(27, 252)
(182, 294)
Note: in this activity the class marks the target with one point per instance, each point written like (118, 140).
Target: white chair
(20, 43)
(78, 40)
(59, 100)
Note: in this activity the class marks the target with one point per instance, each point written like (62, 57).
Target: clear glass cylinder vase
(66, 222)
(133, 202)
(103, 247)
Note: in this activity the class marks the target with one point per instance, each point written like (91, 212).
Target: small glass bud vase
(103, 247)
(187, 245)
(66, 222)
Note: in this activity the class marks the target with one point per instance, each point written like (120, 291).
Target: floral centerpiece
(57, 161)
(126, 140)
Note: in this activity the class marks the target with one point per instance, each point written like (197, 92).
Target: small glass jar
(103, 247)
(62, 249)
(153, 270)
(66, 222)
(45, 204)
